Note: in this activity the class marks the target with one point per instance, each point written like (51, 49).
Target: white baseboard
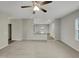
(17, 39)
(70, 45)
(3, 46)
(34, 39)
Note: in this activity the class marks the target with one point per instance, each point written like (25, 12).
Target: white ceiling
(56, 9)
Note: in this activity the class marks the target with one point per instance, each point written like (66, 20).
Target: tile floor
(38, 49)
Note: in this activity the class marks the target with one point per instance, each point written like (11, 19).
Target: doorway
(9, 33)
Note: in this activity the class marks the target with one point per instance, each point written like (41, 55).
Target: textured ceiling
(56, 9)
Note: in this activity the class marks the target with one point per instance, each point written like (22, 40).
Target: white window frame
(77, 29)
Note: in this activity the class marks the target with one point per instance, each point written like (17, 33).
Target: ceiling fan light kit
(36, 8)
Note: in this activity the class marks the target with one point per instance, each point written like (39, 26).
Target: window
(77, 29)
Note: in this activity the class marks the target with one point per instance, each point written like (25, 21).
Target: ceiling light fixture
(36, 8)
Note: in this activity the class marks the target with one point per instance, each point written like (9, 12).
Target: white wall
(41, 21)
(54, 29)
(3, 30)
(68, 30)
(22, 29)
(28, 31)
(17, 30)
(57, 29)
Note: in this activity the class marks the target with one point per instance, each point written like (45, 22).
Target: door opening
(9, 33)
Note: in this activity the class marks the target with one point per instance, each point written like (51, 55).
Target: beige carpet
(38, 49)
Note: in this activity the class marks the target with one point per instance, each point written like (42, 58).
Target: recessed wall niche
(40, 28)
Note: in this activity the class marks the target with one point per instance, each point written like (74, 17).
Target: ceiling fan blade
(43, 10)
(25, 6)
(46, 2)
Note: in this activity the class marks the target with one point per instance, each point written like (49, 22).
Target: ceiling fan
(37, 6)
